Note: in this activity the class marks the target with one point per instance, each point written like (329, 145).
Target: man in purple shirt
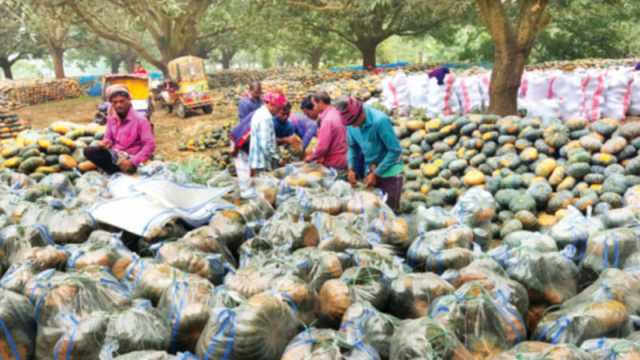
(128, 140)
(251, 102)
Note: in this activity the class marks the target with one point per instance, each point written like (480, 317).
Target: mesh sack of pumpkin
(621, 349)
(440, 250)
(149, 279)
(575, 229)
(486, 324)
(342, 232)
(59, 184)
(225, 297)
(412, 294)
(307, 175)
(613, 284)
(185, 257)
(530, 240)
(317, 344)
(299, 294)
(577, 323)
(102, 249)
(71, 336)
(258, 276)
(69, 226)
(356, 284)
(229, 229)
(17, 326)
(392, 230)
(494, 279)
(284, 233)
(186, 305)
(607, 249)
(425, 338)
(317, 200)
(267, 187)
(259, 249)
(78, 294)
(140, 327)
(254, 211)
(208, 239)
(150, 355)
(259, 328)
(534, 350)
(381, 257)
(363, 323)
(318, 266)
(368, 203)
(549, 277)
(621, 217)
(35, 260)
(475, 207)
(16, 240)
(432, 218)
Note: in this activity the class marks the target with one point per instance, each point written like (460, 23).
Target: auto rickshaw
(187, 88)
(139, 90)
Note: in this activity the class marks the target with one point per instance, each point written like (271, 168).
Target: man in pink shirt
(331, 150)
(128, 140)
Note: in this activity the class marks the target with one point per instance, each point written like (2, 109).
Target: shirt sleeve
(353, 151)
(243, 109)
(392, 146)
(148, 144)
(310, 133)
(324, 142)
(109, 134)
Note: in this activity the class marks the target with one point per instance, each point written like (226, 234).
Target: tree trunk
(6, 68)
(315, 56)
(368, 51)
(115, 65)
(225, 59)
(507, 73)
(130, 63)
(57, 55)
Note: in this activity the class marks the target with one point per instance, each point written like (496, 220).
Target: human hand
(370, 180)
(126, 166)
(105, 144)
(352, 178)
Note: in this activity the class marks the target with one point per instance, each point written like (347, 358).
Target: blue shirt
(298, 124)
(246, 106)
(376, 140)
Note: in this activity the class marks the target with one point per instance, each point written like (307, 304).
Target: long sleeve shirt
(132, 135)
(376, 140)
(246, 106)
(331, 150)
(298, 124)
(262, 146)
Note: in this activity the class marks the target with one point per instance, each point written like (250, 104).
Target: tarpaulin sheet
(140, 205)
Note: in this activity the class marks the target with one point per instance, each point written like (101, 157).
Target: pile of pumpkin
(11, 126)
(56, 149)
(533, 170)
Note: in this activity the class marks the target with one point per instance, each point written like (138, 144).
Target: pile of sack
(590, 94)
(11, 126)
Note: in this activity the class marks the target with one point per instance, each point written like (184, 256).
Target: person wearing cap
(370, 133)
(128, 140)
(294, 129)
(331, 150)
(251, 102)
(139, 70)
(263, 149)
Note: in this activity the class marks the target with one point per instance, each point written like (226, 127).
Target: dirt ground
(170, 130)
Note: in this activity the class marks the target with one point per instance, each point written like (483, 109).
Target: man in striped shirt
(263, 149)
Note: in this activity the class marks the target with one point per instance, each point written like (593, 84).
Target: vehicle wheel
(208, 109)
(181, 111)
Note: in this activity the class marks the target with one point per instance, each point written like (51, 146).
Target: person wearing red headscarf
(263, 149)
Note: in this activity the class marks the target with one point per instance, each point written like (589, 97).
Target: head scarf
(115, 89)
(275, 98)
(350, 110)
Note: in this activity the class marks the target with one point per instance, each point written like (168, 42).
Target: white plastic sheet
(141, 205)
